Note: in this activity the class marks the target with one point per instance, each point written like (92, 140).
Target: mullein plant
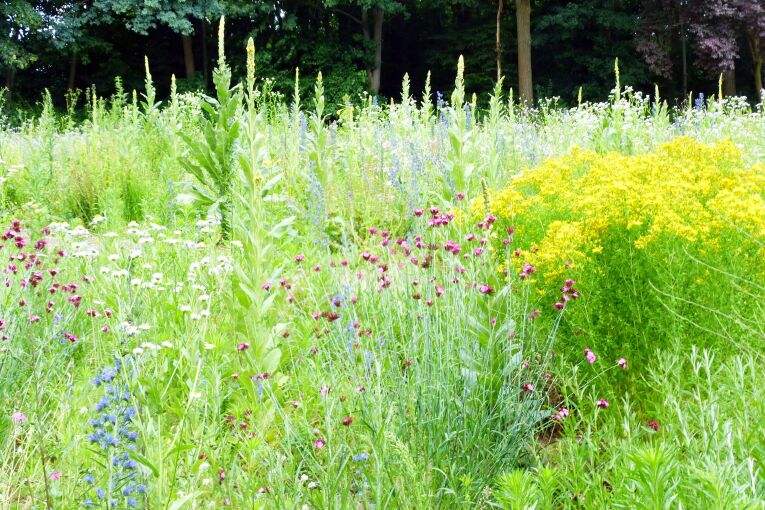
(459, 165)
(261, 228)
(211, 159)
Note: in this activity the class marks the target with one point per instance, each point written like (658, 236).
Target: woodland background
(358, 45)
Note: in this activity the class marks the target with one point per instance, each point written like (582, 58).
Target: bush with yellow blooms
(647, 235)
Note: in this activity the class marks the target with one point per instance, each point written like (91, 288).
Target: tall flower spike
(458, 96)
(221, 49)
(250, 65)
(149, 82)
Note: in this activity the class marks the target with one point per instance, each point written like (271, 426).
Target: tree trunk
(755, 44)
(72, 71)
(729, 84)
(684, 48)
(10, 78)
(500, 6)
(205, 65)
(373, 34)
(188, 55)
(523, 18)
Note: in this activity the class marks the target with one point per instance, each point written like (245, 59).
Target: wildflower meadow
(251, 301)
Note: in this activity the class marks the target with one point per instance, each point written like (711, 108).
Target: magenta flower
(243, 346)
(622, 362)
(560, 414)
(485, 289)
(602, 404)
(526, 270)
(347, 420)
(460, 196)
(19, 417)
(56, 475)
(319, 444)
(528, 388)
(590, 356)
(299, 258)
(266, 286)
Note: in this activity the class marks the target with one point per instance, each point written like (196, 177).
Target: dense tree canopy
(682, 45)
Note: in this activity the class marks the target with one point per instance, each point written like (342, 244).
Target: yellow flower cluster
(571, 206)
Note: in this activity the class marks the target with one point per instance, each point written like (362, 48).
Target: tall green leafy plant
(211, 159)
(256, 237)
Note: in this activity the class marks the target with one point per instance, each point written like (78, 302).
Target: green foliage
(20, 22)
(142, 16)
(249, 391)
(211, 160)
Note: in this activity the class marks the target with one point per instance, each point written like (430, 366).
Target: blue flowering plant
(116, 481)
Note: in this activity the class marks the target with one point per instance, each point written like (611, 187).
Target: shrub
(625, 225)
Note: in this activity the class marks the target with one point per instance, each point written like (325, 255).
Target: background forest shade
(681, 45)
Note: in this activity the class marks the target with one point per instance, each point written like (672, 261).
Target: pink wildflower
(485, 289)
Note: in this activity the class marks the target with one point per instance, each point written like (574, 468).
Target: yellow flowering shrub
(569, 207)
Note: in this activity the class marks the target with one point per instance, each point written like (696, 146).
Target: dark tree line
(542, 47)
